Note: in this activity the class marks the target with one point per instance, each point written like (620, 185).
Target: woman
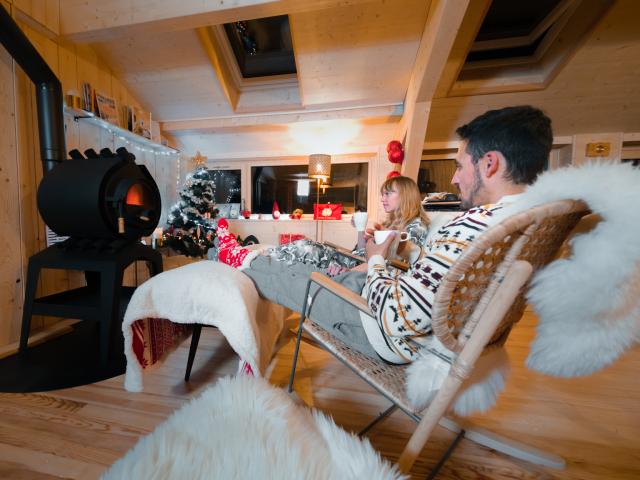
(402, 203)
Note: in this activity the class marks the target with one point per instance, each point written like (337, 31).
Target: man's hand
(372, 248)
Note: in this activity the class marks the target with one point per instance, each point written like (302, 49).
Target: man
(501, 152)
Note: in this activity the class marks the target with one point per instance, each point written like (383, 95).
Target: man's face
(467, 178)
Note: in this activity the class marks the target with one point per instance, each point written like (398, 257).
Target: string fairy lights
(130, 139)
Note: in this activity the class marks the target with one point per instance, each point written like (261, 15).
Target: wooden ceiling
(348, 54)
(376, 61)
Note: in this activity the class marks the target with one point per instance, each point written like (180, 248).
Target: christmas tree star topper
(199, 159)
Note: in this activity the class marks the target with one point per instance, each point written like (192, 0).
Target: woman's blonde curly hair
(410, 203)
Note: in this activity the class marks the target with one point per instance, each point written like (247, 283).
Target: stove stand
(103, 299)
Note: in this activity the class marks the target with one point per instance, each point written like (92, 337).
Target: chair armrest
(342, 292)
(345, 252)
(399, 264)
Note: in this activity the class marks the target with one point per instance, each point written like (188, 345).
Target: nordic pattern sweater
(402, 303)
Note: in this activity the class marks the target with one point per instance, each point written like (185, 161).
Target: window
(287, 184)
(227, 184)
(262, 46)
(436, 175)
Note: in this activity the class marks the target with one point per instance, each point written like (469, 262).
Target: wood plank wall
(20, 165)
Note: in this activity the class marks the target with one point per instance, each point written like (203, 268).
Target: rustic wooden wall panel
(11, 276)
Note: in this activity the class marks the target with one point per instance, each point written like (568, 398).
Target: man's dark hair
(522, 134)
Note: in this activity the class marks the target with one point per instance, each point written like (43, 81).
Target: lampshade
(319, 166)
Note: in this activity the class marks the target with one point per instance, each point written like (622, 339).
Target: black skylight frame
(506, 20)
(528, 50)
(262, 46)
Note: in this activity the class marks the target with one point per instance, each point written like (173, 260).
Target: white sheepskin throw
(477, 394)
(583, 302)
(243, 428)
(210, 293)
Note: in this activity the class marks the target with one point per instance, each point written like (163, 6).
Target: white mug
(360, 221)
(380, 236)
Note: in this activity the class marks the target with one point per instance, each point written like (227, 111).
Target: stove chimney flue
(48, 90)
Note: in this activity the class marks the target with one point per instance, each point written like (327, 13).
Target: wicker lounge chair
(477, 304)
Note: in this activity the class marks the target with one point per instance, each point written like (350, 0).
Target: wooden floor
(593, 422)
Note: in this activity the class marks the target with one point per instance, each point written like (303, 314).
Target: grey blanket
(285, 284)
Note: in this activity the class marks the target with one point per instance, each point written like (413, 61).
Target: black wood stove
(103, 202)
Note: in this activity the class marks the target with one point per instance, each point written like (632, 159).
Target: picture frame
(107, 109)
(141, 122)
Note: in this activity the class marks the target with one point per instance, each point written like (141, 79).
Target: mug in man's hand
(380, 236)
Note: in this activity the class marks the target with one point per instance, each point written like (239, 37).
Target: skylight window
(521, 46)
(515, 29)
(262, 46)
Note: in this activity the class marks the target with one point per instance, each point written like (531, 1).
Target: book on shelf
(87, 97)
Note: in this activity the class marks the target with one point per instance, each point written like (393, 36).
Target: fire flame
(135, 195)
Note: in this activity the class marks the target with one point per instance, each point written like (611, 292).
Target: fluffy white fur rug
(243, 428)
(579, 300)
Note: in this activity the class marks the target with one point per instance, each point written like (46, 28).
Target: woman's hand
(368, 233)
(372, 248)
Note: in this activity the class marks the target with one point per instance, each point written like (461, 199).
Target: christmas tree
(191, 224)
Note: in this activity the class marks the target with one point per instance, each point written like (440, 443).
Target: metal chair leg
(303, 314)
(452, 446)
(380, 417)
(195, 338)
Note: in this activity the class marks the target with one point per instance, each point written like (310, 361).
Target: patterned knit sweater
(402, 303)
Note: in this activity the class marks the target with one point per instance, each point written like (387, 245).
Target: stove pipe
(48, 91)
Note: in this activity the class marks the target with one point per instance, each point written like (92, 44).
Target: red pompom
(396, 156)
(394, 145)
(393, 173)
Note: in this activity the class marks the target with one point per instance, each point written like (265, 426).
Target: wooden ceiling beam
(377, 111)
(220, 65)
(104, 20)
(464, 41)
(443, 23)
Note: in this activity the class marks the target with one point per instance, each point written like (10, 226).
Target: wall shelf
(122, 133)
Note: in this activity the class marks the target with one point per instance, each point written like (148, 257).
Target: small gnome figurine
(276, 211)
